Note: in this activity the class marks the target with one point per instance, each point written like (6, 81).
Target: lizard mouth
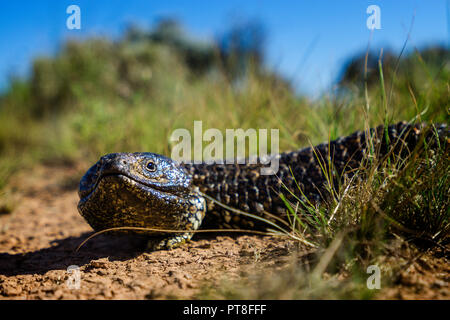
(127, 173)
(118, 200)
(86, 194)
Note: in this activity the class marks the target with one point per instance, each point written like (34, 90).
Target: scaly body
(152, 191)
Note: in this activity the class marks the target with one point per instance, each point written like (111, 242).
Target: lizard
(149, 190)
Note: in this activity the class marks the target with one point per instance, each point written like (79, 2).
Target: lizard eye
(151, 166)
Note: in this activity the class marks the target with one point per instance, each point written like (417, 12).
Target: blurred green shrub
(97, 95)
(419, 78)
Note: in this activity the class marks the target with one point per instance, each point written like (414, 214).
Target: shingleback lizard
(150, 190)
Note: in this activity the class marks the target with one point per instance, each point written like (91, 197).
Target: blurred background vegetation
(97, 96)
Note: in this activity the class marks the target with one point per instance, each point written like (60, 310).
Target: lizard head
(139, 190)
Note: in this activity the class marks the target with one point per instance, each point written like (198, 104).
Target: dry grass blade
(175, 231)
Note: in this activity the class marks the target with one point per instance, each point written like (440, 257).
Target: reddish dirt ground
(39, 236)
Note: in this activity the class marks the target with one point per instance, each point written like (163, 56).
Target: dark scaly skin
(120, 190)
(241, 186)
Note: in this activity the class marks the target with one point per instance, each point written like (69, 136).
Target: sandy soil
(39, 236)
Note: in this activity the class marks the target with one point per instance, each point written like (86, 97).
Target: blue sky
(308, 40)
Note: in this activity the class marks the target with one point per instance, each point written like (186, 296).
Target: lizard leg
(192, 221)
(170, 242)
